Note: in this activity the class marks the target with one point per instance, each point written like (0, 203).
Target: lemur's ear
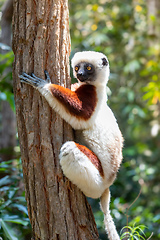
(104, 62)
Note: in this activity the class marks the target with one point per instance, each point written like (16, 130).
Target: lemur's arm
(79, 104)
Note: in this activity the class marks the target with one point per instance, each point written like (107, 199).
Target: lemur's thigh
(82, 167)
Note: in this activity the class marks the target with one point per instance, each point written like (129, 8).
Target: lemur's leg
(82, 167)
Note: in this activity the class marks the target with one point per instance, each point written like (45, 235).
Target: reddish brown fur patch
(92, 157)
(80, 103)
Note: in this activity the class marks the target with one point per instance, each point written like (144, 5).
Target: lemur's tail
(108, 221)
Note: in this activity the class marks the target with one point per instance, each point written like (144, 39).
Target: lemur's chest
(102, 134)
(92, 137)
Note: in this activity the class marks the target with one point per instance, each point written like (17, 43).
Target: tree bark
(6, 22)
(8, 121)
(57, 209)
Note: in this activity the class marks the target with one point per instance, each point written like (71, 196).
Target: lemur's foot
(33, 80)
(67, 149)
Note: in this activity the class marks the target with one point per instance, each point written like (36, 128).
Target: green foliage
(14, 221)
(6, 88)
(6, 61)
(134, 232)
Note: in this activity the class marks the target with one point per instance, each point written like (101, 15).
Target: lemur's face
(91, 67)
(85, 72)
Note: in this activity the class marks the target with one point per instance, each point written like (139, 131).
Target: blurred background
(128, 32)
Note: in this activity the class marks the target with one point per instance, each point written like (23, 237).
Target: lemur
(91, 161)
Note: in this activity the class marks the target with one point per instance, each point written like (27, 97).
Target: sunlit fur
(102, 73)
(93, 160)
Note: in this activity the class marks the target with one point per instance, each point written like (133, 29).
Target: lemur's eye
(89, 68)
(76, 68)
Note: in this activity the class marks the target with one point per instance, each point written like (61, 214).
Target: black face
(85, 72)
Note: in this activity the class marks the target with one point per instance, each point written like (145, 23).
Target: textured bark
(6, 20)
(8, 121)
(57, 209)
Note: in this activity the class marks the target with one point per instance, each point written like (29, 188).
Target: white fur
(81, 171)
(108, 221)
(95, 58)
(99, 138)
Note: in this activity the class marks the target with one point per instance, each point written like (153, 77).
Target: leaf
(125, 235)
(12, 193)
(135, 237)
(126, 228)
(156, 218)
(5, 180)
(16, 219)
(20, 207)
(7, 203)
(8, 231)
(140, 229)
(4, 189)
(19, 221)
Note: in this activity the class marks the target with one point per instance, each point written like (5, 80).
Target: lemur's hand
(33, 80)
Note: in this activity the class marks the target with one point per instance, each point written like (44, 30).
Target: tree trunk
(57, 209)
(8, 121)
(153, 7)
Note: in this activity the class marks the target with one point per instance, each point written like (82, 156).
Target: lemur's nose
(81, 75)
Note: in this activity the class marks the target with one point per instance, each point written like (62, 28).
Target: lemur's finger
(30, 81)
(37, 78)
(27, 76)
(47, 76)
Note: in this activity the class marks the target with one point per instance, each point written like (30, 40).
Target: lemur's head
(91, 67)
